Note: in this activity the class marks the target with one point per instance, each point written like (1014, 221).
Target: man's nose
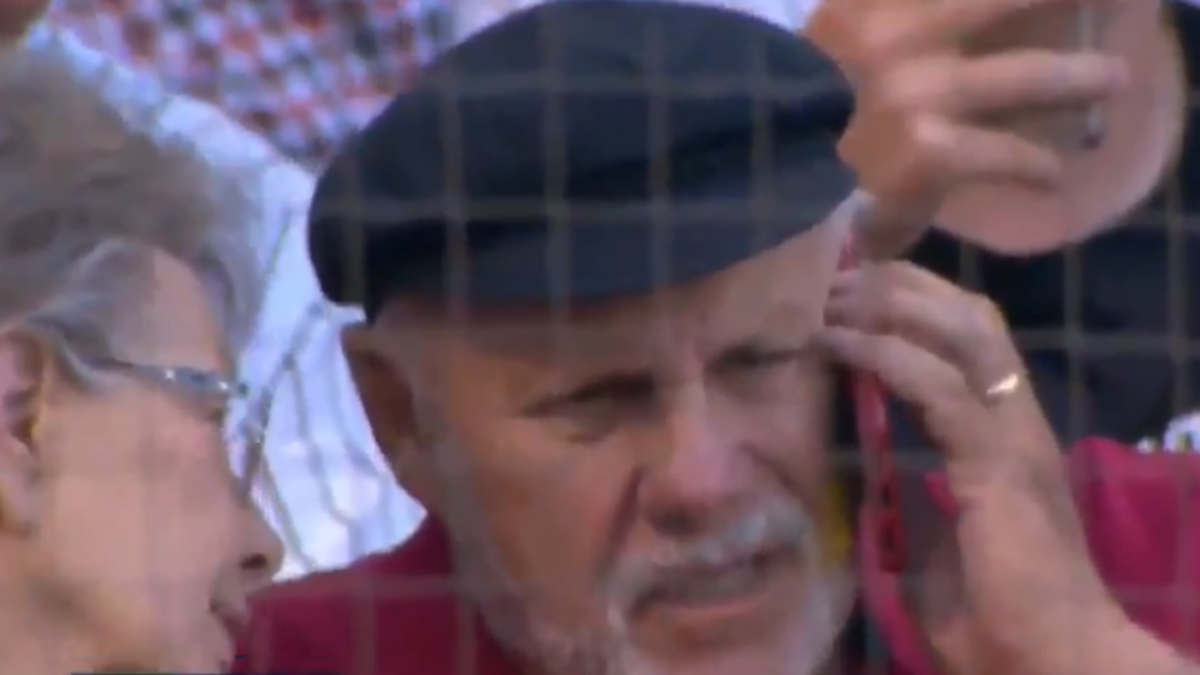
(700, 471)
(262, 554)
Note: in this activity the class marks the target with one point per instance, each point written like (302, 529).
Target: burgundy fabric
(397, 613)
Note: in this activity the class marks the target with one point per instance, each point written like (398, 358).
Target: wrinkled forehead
(778, 294)
(470, 16)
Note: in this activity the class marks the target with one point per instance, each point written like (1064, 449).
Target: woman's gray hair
(86, 194)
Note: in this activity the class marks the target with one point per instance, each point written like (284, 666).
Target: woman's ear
(26, 369)
(388, 400)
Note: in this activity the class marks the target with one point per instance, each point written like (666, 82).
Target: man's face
(643, 487)
(143, 545)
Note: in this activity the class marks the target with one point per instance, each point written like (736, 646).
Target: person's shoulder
(323, 586)
(310, 624)
(1138, 504)
(398, 609)
(1138, 490)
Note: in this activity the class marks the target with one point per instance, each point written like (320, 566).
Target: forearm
(1139, 653)
(1153, 657)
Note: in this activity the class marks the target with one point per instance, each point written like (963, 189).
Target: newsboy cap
(585, 149)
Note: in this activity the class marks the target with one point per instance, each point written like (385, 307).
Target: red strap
(874, 433)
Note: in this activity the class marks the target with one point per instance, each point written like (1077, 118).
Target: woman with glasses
(127, 284)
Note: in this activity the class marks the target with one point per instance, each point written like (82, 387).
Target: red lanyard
(874, 433)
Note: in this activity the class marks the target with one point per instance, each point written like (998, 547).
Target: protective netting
(1114, 317)
(332, 499)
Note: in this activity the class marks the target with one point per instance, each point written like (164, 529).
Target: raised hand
(1024, 595)
(927, 103)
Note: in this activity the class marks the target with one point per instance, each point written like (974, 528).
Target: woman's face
(141, 544)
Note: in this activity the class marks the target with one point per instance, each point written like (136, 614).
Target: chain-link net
(1113, 323)
(1099, 322)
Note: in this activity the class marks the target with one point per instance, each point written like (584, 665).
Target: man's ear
(387, 399)
(26, 370)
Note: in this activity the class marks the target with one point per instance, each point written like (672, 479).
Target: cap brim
(601, 252)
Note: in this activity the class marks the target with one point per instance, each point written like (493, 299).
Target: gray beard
(550, 650)
(505, 613)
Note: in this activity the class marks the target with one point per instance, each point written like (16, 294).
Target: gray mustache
(778, 527)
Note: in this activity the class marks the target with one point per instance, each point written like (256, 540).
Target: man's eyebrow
(634, 382)
(619, 381)
(755, 346)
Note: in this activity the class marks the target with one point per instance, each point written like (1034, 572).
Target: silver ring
(1004, 387)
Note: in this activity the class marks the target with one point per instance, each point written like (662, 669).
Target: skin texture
(123, 530)
(584, 466)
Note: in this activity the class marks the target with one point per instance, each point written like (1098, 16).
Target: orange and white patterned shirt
(303, 73)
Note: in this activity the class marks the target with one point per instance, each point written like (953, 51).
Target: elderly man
(127, 281)
(606, 331)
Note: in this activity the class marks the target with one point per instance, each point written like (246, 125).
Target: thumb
(880, 231)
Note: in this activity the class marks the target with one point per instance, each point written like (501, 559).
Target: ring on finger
(1003, 388)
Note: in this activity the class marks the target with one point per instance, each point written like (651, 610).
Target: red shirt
(395, 614)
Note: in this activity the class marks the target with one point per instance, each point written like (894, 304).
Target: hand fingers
(1020, 80)
(964, 154)
(959, 331)
(879, 234)
(896, 274)
(917, 376)
(960, 328)
(955, 22)
(912, 373)
(1016, 80)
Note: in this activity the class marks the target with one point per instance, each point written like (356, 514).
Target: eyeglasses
(217, 393)
(195, 382)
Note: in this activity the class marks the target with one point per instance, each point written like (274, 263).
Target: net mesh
(329, 494)
(364, 511)
(1077, 339)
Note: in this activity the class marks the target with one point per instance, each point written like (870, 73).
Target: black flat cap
(585, 149)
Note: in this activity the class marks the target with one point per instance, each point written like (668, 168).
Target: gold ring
(1004, 387)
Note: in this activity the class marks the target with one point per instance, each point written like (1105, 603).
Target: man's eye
(754, 359)
(609, 406)
(606, 394)
(594, 415)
